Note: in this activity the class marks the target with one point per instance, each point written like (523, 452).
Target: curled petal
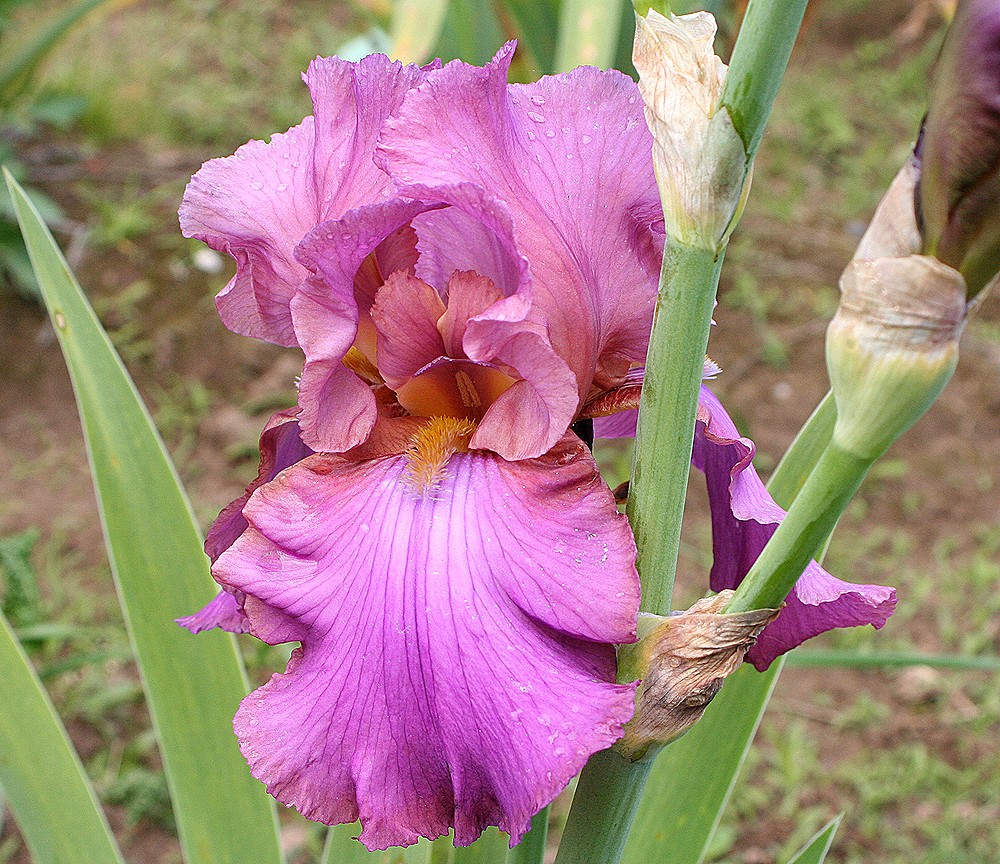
(457, 666)
(544, 150)
(257, 204)
(338, 408)
(744, 516)
(280, 447)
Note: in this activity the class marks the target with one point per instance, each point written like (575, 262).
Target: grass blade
(814, 852)
(491, 848)
(588, 33)
(892, 659)
(45, 784)
(537, 23)
(343, 848)
(415, 29)
(192, 684)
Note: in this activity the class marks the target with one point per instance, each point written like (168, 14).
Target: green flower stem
(758, 64)
(603, 809)
(531, 849)
(803, 453)
(609, 787)
(667, 413)
(804, 531)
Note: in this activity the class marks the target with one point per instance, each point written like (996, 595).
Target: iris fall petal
(456, 667)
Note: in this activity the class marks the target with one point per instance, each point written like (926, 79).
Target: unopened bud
(698, 156)
(959, 193)
(892, 347)
(682, 660)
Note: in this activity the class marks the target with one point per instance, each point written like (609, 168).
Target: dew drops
(586, 139)
(534, 115)
(538, 100)
(550, 133)
(531, 136)
(282, 187)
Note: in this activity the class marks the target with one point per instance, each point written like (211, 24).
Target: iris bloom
(468, 266)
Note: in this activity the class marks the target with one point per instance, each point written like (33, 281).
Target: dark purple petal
(960, 147)
(744, 516)
(457, 665)
(257, 204)
(280, 447)
(570, 158)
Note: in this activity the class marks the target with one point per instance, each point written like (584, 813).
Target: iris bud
(891, 347)
(698, 156)
(959, 189)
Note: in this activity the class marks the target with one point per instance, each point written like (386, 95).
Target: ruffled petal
(280, 447)
(744, 516)
(257, 204)
(469, 294)
(406, 314)
(545, 150)
(457, 665)
(224, 610)
(534, 414)
(337, 407)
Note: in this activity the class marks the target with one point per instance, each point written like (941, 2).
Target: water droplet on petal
(550, 133)
(282, 187)
(538, 118)
(586, 139)
(538, 100)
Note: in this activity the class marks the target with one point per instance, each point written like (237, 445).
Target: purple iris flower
(468, 266)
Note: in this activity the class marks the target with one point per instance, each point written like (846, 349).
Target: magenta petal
(532, 416)
(222, 611)
(406, 314)
(257, 204)
(620, 425)
(338, 408)
(457, 665)
(569, 156)
(744, 516)
(280, 447)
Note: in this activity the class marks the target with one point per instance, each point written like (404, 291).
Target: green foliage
(21, 604)
(192, 686)
(40, 773)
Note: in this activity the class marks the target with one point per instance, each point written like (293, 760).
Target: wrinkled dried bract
(683, 662)
(698, 155)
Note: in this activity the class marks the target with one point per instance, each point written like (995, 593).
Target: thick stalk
(609, 788)
(804, 531)
(667, 413)
(758, 64)
(606, 798)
